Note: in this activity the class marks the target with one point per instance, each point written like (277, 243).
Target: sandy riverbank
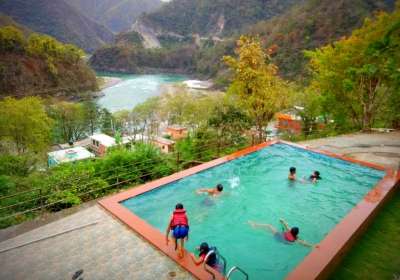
(107, 82)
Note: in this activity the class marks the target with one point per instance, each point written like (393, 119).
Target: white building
(68, 155)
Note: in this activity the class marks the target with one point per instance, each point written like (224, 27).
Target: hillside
(117, 15)
(40, 65)
(209, 17)
(58, 19)
(308, 26)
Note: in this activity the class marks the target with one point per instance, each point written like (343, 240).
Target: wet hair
(179, 206)
(317, 174)
(204, 248)
(294, 231)
(220, 187)
(292, 170)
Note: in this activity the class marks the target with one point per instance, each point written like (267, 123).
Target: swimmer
(213, 192)
(288, 236)
(292, 174)
(315, 177)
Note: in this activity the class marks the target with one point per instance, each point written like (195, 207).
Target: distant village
(97, 144)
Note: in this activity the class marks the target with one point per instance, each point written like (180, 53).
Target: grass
(377, 254)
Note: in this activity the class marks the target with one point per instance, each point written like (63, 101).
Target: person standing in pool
(213, 191)
(288, 236)
(179, 225)
(212, 259)
(292, 174)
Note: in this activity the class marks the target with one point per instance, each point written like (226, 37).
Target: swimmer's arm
(197, 261)
(266, 226)
(204, 190)
(167, 231)
(304, 243)
(285, 224)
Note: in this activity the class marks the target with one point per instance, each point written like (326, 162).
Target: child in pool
(315, 176)
(212, 260)
(179, 225)
(292, 174)
(290, 235)
(213, 191)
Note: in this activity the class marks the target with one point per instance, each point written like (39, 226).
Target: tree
(256, 83)
(70, 120)
(11, 39)
(358, 76)
(92, 115)
(25, 124)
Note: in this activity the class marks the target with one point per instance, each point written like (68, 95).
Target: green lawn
(377, 254)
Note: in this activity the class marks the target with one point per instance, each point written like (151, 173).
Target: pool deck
(92, 240)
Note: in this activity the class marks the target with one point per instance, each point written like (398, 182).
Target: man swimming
(217, 190)
(292, 174)
(289, 235)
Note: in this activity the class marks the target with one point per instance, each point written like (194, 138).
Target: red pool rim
(315, 265)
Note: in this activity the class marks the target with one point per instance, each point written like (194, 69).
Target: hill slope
(40, 65)
(212, 17)
(311, 25)
(117, 15)
(58, 19)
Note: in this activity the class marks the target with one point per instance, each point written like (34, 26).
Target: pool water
(256, 188)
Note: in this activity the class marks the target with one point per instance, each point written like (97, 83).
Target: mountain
(179, 18)
(117, 15)
(58, 19)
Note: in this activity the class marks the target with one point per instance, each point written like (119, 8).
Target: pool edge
(315, 265)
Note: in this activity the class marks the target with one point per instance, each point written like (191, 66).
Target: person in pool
(179, 225)
(213, 191)
(212, 260)
(288, 236)
(315, 176)
(292, 174)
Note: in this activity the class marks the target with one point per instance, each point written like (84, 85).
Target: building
(99, 143)
(176, 132)
(289, 122)
(166, 145)
(68, 155)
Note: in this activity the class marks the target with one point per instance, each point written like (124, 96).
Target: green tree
(358, 77)
(70, 120)
(11, 39)
(256, 83)
(24, 124)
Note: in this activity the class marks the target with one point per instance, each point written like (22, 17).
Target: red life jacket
(289, 237)
(179, 218)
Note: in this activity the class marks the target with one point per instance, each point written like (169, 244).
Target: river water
(134, 89)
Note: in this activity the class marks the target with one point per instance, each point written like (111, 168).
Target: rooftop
(72, 154)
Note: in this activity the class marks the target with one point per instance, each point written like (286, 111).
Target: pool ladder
(227, 275)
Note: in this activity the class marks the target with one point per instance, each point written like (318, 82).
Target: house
(289, 122)
(176, 132)
(166, 145)
(68, 155)
(99, 143)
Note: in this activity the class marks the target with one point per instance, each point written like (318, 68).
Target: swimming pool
(256, 189)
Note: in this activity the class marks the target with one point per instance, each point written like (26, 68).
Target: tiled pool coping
(315, 265)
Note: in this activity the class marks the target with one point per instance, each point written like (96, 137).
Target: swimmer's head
(316, 173)
(294, 231)
(204, 248)
(292, 170)
(219, 187)
(179, 206)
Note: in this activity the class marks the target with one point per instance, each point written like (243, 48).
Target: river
(134, 89)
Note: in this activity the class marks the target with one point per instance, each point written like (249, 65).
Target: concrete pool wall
(316, 265)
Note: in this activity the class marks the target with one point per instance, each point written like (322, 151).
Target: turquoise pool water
(257, 189)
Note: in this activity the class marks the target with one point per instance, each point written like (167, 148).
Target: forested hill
(35, 64)
(117, 15)
(212, 17)
(58, 19)
(311, 25)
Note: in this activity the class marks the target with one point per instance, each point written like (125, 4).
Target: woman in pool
(179, 225)
(288, 236)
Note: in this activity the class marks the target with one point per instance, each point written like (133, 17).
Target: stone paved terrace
(92, 240)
